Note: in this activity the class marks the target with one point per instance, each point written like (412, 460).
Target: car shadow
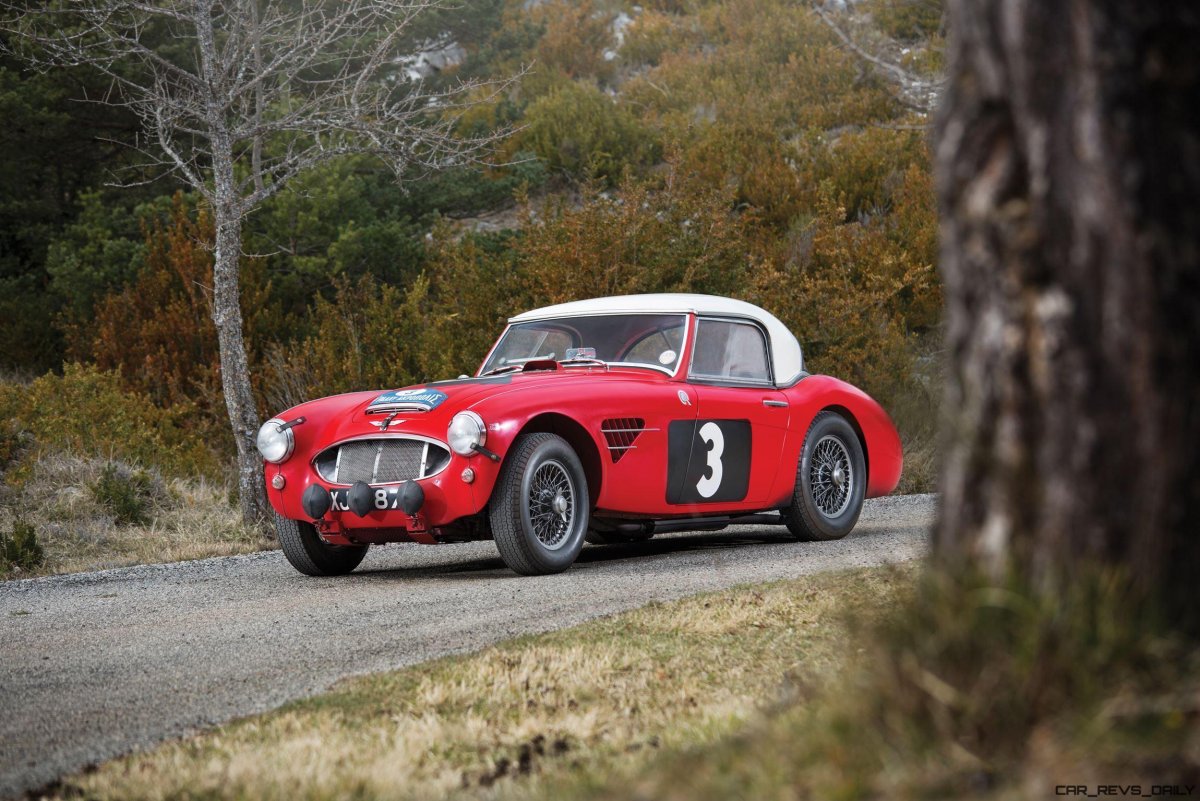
(590, 556)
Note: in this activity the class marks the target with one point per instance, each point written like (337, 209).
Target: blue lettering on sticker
(429, 398)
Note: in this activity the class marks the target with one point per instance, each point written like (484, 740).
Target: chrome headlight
(275, 441)
(466, 431)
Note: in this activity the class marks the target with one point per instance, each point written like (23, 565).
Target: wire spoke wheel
(831, 476)
(551, 502)
(540, 505)
(831, 481)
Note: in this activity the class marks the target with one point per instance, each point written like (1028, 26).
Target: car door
(633, 418)
(734, 443)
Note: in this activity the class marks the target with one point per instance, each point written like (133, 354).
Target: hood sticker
(427, 399)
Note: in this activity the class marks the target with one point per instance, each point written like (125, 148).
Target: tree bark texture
(227, 316)
(235, 370)
(226, 303)
(1068, 158)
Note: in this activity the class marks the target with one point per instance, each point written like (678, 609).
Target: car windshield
(645, 340)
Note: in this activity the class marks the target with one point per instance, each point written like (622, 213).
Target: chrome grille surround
(391, 459)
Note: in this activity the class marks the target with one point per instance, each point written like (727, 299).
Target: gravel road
(93, 665)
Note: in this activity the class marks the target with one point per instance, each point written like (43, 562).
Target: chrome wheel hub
(830, 476)
(560, 505)
(551, 504)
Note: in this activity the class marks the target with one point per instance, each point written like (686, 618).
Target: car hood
(426, 409)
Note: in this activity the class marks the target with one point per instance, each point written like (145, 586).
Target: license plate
(384, 498)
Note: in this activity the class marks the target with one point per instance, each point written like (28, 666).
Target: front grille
(357, 460)
(381, 461)
(399, 463)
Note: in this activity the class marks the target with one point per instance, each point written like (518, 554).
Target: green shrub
(13, 442)
(579, 130)
(20, 550)
(87, 412)
(101, 250)
(371, 335)
(867, 169)
(654, 34)
(908, 20)
(574, 39)
(127, 493)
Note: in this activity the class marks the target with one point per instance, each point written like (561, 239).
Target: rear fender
(876, 432)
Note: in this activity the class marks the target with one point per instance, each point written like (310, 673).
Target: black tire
(540, 471)
(820, 510)
(310, 554)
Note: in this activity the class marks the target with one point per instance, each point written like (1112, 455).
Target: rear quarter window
(730, 351)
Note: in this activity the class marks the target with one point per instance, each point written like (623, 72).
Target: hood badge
(387, 421)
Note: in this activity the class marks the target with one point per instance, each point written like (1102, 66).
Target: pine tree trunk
(235, 372)
(1068, 157)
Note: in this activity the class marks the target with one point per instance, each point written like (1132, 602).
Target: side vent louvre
(620, 433)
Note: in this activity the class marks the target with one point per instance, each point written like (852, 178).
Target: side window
(729, 351)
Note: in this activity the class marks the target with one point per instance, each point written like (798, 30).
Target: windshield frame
(689, 325)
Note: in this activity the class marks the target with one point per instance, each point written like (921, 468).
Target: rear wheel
(310, 554)
(831, 481)
(540, 507)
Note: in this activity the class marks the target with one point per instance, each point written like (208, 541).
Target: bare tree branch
(291, 85)
(264, 92)
(914, 91)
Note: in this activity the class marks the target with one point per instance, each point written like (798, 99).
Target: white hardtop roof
(786, 357)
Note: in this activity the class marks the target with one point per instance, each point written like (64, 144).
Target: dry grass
(576, 708)
(915, 413)
(966, 690)
(939, 690)
(78, 528)
(920, 466)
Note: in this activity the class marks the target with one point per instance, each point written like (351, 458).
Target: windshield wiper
(519, 364)
(584, 360)
(504, 368)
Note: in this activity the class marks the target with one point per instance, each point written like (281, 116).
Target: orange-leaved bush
(158, 333)
(672, 232)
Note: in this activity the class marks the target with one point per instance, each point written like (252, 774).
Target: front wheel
(310, 554)
(831, 481)
(540, 507)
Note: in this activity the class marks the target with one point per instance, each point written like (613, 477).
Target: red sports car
(603, 420)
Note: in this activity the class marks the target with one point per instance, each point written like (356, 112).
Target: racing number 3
(709, 484)
(708, 460)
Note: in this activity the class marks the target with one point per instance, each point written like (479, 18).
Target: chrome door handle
(778, 404)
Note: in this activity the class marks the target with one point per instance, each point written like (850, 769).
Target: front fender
(508, 415)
